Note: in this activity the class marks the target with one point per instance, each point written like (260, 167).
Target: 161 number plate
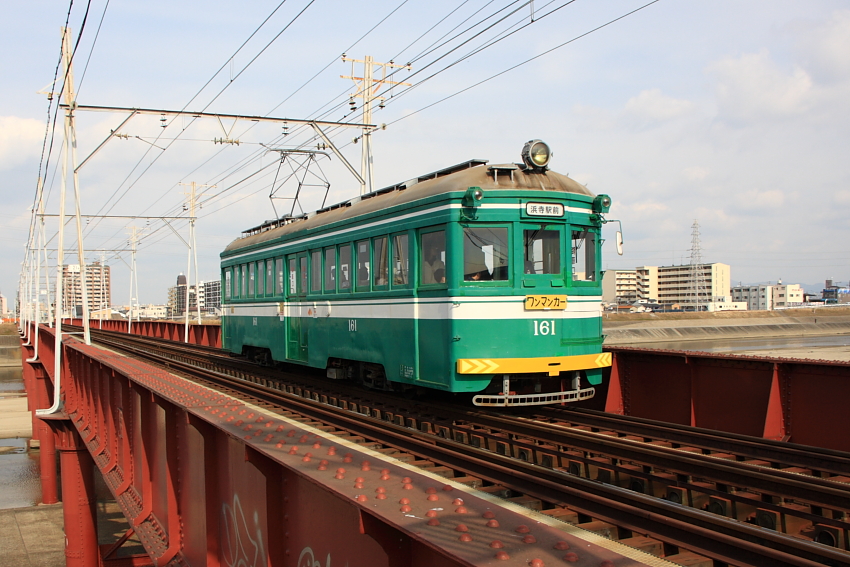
(545, 302)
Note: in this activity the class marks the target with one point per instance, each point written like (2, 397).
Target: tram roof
(473, 173)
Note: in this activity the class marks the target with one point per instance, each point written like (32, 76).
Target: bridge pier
(78, 496)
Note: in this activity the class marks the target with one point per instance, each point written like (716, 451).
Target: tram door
(296, 321)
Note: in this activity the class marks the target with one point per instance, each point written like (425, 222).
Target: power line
(529, 60)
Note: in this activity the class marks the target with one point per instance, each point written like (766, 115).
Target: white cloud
(756, 199)
(824, 47)
(695, 173)
(651, 108)
(752, 87)
(20, 139)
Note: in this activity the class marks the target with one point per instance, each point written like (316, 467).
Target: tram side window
(302, 273)
(228, 291)
(363, 265)
(261, 274)
(251, 279)
(269, 277)
(293, 277)
(401, 269)
(345, 267)
(235, 282)
(542, 251)
(433, 266)
(316, 270)
(584, 256)
(243, 289)
(279, 267)
(380, 259)
(485, 254)
(330, 270)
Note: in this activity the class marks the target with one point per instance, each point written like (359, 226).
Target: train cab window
(293, 277)
(379, 257)
(330, 270)
(542, 251)
(485, 254)
(235, 282)
(302, 275)
(401, 269)
(251, 281)
(228, 289)
(261, 276)
(363, 265)
(279, 268)
(269, 277)
(316, 270)
(433, 266)
(584, 256)
(345, 267)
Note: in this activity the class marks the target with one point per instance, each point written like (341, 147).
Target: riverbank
(641, 328)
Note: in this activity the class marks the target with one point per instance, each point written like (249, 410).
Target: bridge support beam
(78, 497)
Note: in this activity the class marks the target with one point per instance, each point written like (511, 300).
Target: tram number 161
(544, 327)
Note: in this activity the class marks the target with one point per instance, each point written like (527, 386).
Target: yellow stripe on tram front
(553, 365)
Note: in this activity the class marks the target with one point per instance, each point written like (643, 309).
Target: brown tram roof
(502, 177)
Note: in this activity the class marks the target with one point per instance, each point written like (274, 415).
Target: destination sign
(544, 209)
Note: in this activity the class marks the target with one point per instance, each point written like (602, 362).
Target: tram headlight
(601, 204)
(536, 154)
(472, 197)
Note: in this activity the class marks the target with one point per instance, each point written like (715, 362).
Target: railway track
(733, 499)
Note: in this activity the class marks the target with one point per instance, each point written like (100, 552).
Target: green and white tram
(477, 278)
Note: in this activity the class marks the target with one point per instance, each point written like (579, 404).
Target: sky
(734, 114)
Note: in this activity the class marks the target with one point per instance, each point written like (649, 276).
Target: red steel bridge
(206, 479)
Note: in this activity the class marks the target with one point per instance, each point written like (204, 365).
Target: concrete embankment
(10, 350)
(625, 332)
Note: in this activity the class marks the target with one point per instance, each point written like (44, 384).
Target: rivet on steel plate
(433, 522)
(465, 537)
(332, 450)
(347, 458)
(433, 497)
(461, 510)
(239, 423)
(291, 433)
(447, 488)
(562, 545)
(407, 486)
(317, 445)
(358, 485)
(502, 555)
(406, 480)
(404, 501)
(362, 498)
(606, 563)
(406, 509)
(293, 450)
(461, 528)
(431, 514)
(522, 529)
(457, 502)
(571, 557)
(381, 496)
(529, 539)
(536, 563)
(431, 490)
(381, 490)
(492, 523)
(488, 514)
(365, 466)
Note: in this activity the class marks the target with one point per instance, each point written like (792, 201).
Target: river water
(20, 483)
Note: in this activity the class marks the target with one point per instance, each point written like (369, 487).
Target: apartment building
(767, 297)
(98, 287)
(669, 285)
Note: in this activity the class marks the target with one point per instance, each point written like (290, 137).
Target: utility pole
(134, 280)
(193, 253)
(367, 86)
